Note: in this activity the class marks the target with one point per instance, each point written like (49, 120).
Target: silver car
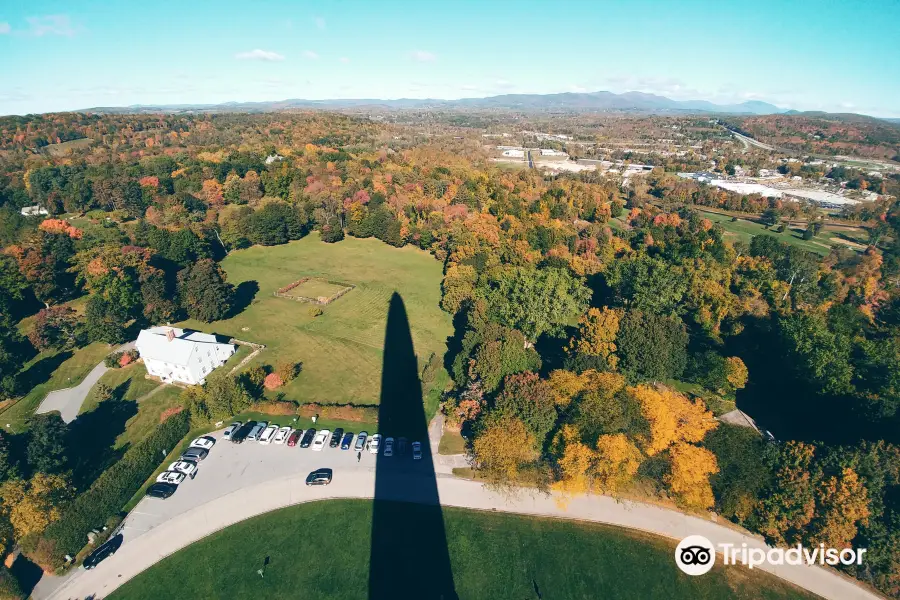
(257, 431)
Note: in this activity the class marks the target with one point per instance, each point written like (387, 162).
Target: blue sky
(822, 55)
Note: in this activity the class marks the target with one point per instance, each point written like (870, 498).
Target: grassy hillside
(341, 350)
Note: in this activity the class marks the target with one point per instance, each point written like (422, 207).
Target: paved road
(237, 482)
(68, 401)
(750, 140)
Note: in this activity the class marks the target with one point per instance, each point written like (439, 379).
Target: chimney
(170, 334)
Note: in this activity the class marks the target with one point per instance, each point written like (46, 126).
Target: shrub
(287, 407)
(112, 360)
(332, 234)
(125, 360)
(315, 311)
(110, 491)
(273, 381)
(169, 412)
(341, 412)
(288, 371)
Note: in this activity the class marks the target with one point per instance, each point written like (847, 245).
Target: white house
(181, 355)
(514, 153)
(32, 211)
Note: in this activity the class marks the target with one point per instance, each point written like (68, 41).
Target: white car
(229, 431)
(417, 450)
(375, 443)
(256, 431)
(282, 435)
(206, 442)
(320, 439)
(184, 466)
(268, 435)
(389, 446)
(170, 477)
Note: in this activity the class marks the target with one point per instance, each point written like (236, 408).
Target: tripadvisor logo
(696, 555)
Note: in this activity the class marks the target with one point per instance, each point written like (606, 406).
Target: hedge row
(365, 413)
(114, 487)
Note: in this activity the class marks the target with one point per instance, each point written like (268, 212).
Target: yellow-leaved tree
(503, 448)
(597, 331)
(33, 504)
(688, 478)
(576, 463)
(843, 504)
(618, 460)
(670, 418)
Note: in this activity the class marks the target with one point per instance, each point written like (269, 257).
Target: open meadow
(341, 349)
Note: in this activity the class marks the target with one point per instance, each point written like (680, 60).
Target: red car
(294, 437)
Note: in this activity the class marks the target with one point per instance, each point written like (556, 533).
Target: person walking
(358, 456)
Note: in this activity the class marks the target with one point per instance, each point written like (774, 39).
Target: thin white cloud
(468, 88)
(50, 25)
(504, 84)
(5, 28)
(320, 22)
(422, 56)
(258, 54)
(344, 59)
(310, 55)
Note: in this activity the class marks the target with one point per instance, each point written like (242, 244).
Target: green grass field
(341, 350)
(316, 288)
(321, 550)
(452, 443)
(64, 148)
(51, 371)
(127, 383)
(743, 230)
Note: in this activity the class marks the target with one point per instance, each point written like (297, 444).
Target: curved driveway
(273, 477)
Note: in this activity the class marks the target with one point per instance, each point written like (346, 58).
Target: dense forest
(599, 328)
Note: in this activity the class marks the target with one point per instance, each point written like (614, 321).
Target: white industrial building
(514, 153)
(181, 355)
(549, 152)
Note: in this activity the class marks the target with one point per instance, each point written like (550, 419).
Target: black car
(308, 437)
(319, 477)
(243, 431)
(348, 439)
(107, 549)
(401, 445)
(161, 490)
(336, 437)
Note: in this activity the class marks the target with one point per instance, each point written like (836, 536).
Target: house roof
(154, 343)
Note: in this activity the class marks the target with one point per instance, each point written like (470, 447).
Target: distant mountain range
(638, 102)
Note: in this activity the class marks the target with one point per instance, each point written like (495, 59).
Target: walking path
(68, 401)
(152, 544)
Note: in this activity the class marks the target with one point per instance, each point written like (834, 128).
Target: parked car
(170, 477)
(417, 450)
(347, 441)
(319, 477)
(308, 437)
(336, 437)
(206, 442)
(257, 431)
(230, 430)
(282, 435)
(375, 443)
(268, 435)
(294, 438)
(401, 446)
(320, 440)
(389, 446)
(194, 454)
(243, 431)
(161, 490)
(360, 441)
(105, 550)
(184, 466)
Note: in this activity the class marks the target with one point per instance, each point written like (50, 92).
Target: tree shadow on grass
(41, 371)
(409, 556)
(244, 294)
(92, 436)
(27, 574)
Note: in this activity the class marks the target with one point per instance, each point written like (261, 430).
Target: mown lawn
(452, 443)
(127, 383)
(50, 371)
(341, 350)
(321, 550)
(744, 230)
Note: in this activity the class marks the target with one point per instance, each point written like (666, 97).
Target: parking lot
(230, 467)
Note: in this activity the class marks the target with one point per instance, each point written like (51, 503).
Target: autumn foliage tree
(670, 418)
(504, 449)
(689, 470)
